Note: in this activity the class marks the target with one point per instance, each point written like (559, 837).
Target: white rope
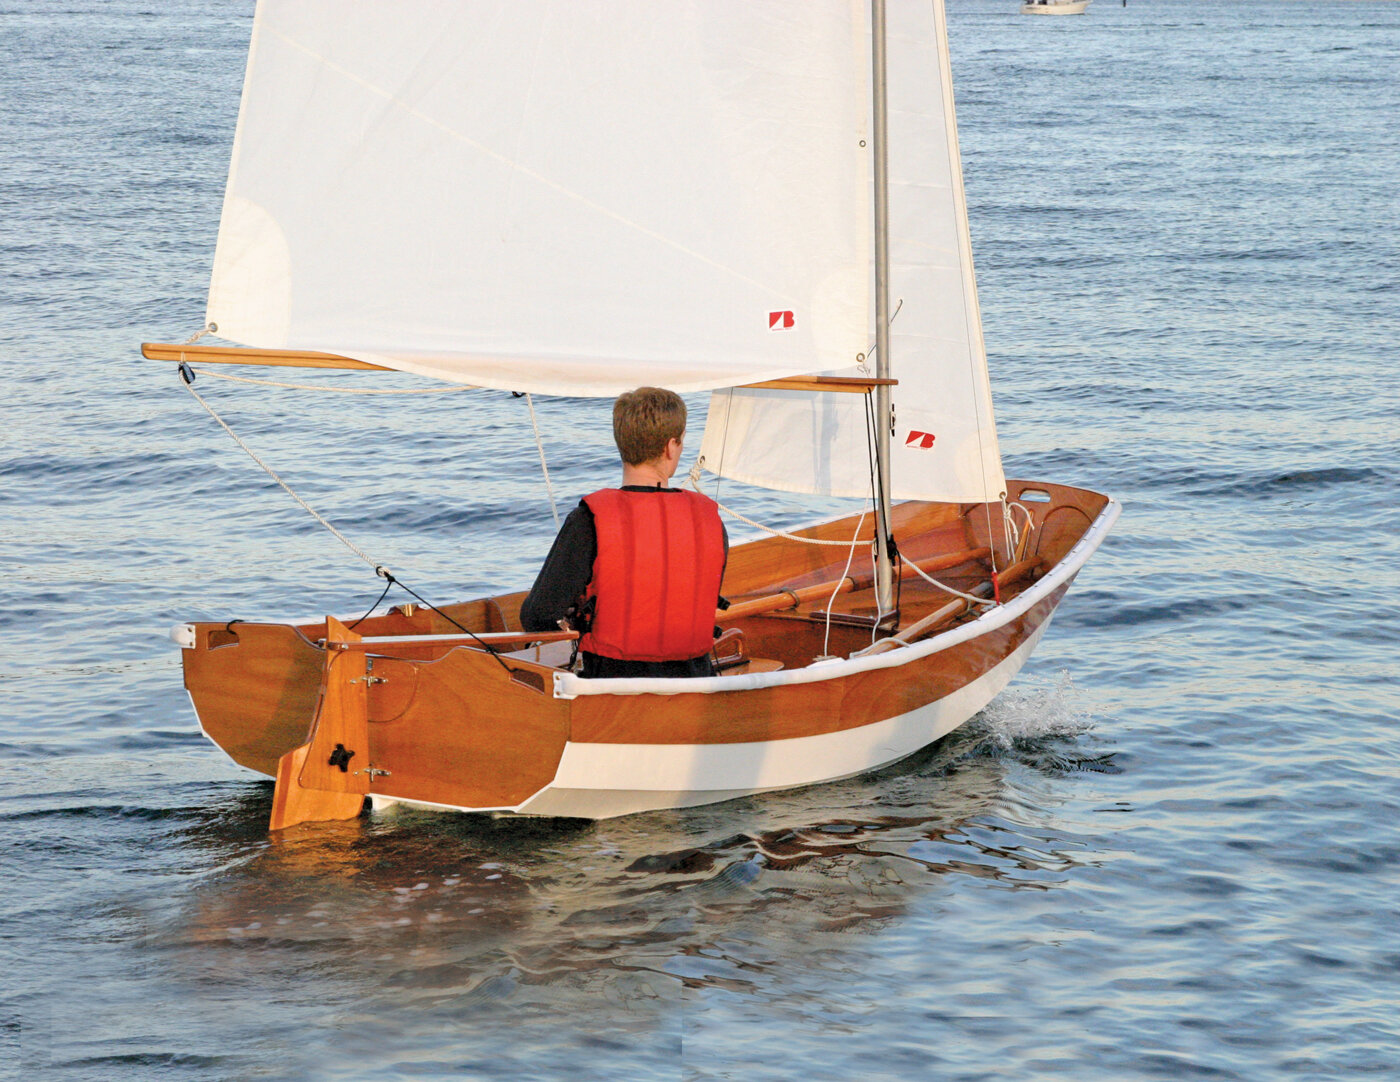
(544, 465)
(324, 389)
(1010, 529)
(855, 540)
(944, 586)
(694, 479)
(271, 473)
(192, 339)
(1022, 538)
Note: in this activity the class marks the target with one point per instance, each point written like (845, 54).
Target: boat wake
(1040, 726)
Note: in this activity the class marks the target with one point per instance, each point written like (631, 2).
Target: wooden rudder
(327, 777)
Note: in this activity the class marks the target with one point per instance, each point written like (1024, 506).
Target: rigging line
(544, 465)
(723, 441)
(388, 585)
(871, 436)
(322, 389)
(187, 377)
(1023, 538)
(428, 604)
(694, 479)
(831, 601)
(944, 586)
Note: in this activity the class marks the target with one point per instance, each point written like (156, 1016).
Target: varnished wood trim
(786, 711)
(933, 620)
(293, 804)
(1018, 571)
(309, 789)
(848, 384)
(307, 358)
(284, 358)
(490, 638)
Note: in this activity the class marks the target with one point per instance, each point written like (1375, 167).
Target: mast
(884, 574)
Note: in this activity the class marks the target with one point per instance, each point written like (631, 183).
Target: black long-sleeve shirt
(563, 581)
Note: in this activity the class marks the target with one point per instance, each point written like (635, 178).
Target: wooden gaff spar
(811, 215)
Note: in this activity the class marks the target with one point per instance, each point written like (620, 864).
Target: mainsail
(944, 445)
(554, 196)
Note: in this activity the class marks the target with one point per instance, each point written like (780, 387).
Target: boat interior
(793, 603)
(257, 685)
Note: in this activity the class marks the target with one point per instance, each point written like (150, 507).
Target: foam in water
(1022, 716)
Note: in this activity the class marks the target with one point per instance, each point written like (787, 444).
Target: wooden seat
(752, 665)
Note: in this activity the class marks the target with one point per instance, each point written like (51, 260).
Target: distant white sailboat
(1054, 7)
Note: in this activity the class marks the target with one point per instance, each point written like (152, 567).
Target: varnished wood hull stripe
(599, 781)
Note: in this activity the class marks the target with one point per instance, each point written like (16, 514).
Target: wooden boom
(302, 358)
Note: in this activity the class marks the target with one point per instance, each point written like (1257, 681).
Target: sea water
(1169, 850)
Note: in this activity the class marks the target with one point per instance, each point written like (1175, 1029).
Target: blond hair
(645, 421)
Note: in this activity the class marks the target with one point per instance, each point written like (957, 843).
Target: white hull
(1059, 7)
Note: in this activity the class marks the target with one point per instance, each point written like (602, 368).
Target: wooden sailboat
(547, 197)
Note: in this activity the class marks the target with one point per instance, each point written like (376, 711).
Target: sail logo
(781, 321)
(922, 440)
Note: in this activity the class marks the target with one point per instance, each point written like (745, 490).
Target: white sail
(553, 195)
(944, 445)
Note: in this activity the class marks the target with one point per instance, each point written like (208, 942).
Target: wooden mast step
(326, 778)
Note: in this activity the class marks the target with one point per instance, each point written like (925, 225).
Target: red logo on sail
(922, 440)
(781, 321)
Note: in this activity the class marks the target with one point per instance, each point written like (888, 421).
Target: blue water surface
(1168, 851)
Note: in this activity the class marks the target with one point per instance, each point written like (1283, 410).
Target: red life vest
(657, 574)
